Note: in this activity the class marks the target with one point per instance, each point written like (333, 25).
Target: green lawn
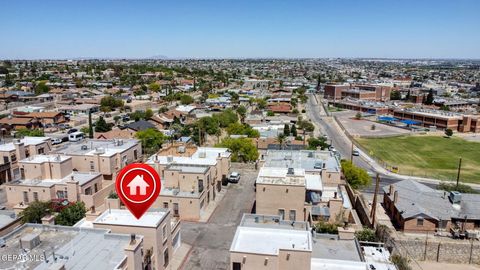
(428, 156)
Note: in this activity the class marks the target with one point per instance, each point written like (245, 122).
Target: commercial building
(46, 247)
(161, 232)
(440, 119)
(366, 106)
(106, 157)
(414, 207)
(362, 92)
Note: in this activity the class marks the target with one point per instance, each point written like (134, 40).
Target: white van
(76, 136)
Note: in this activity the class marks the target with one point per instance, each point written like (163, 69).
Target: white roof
(45, 158)
(280, 176)
(124, 217)
(379, 257)
(26, 141)
(185, 108)
(211, 152)
(269, 241)
(325, 264)
(181, 160)
(314, 182)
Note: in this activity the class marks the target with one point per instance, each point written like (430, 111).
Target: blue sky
(261, 28)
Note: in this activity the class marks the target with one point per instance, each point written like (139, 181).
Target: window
(13, 157)
(92, 166)
(61, 194)
(5, 160)
(292, 215)
(164, 232)
(135, 155)
(175, 209)
(41, 151)
(35, 196)
(27, 153)
(165, 258)
(88, 191)
(95, 187)
(420, 221)
(25, 197)
(281, 213)
(200, 185)
(165, 205)
(236, 266)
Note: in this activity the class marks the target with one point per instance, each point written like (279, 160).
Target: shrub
(366, 234)
(325, 227)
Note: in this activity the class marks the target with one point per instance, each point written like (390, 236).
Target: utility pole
(351, 155)
(459, 169)
(373, 212)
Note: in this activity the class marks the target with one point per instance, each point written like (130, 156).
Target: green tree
(35, 212)
(358, 116)
(261, 104)
(242, 129)
(293, 130)
(154, 87)
(41, 88)
(243, 149)
(395, 95)
(186, 99)
(148, 114)
(71, 214)
(366, 235)
(430, 98)
(314, 143)
(226, 118)
(110, 101)
(270, 113)
(281, 140)
(209, 125)
(23, 132)
(242, 111)
(355, 176)
(163, 109)
(151, 140)
(286, 130)
(448, 132)
(306, 126)
(101, 125)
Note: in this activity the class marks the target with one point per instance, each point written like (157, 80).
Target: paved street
(211, 241)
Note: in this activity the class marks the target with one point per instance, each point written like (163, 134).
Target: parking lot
(211, 241)
(363, 127)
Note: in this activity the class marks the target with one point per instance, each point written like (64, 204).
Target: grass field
(428, 156)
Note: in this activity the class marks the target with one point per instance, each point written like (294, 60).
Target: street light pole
(351, 154)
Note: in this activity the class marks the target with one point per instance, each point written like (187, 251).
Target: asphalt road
(211, 241)
(344, 146)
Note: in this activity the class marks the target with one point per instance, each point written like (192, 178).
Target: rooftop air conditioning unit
(169, 159)
(202, 154)
(30, 241)
(455, 197)
(84, 147)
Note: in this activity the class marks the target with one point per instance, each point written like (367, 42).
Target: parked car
(72, 130)
(56, 141)
(234, 177)
(355, 153)
(331, 148)
(76, 136)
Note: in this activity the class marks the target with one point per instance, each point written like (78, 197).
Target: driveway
(211, 241)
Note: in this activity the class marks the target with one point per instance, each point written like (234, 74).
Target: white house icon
(138, 182)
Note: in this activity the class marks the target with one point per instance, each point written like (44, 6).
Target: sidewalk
(179, 256)
(208, 211)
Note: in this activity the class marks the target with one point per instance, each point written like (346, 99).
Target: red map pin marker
(138, 186)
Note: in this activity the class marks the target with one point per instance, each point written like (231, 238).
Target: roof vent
(291, 171)
(455, 197)
(84, 147)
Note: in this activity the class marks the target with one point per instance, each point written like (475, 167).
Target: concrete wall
(271, 198)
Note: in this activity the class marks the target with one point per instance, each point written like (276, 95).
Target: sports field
(427, 156)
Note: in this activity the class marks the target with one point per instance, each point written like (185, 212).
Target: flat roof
(45, 158)
(164, 160)
(81, 177)
(269, 241)
(378, 257)
(280, 176)
(151, 218)
(105, 148)
(188, 168)
(327, 264)
(7, 217)
(211, 152)
(309, 160)
(328, 246)
(74, 247)
(26, 142)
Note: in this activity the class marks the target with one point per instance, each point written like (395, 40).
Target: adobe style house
(414, 207)
(107, 157)
(190, 183)
(48, 177)
(11, 153)
(160, 231)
